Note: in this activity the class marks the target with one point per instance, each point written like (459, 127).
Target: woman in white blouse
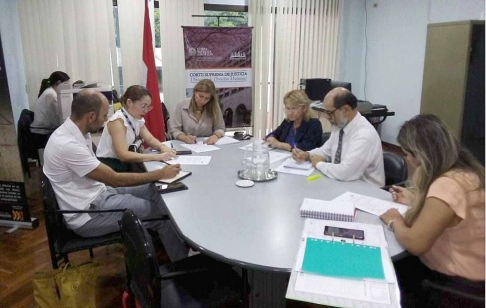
(125, 127)
(199, 116)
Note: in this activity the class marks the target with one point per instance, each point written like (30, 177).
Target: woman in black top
(300, 129)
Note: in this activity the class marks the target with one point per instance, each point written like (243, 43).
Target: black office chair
(28, 146)
(342, 84)
(197, 281)
(456, 292)
(62, 240)
(166, 121)
(396, 172)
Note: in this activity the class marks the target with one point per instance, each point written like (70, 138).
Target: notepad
(290, 163)
(178, 177)
(329, 210)
(343, 260)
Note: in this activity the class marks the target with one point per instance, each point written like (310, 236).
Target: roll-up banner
(224, 56)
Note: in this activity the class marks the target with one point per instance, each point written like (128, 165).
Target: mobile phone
(343, 232)
(183, 152)
(167, 188)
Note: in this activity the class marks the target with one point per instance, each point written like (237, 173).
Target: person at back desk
(46, 116)
(81, 182)
(199, 116)
(445, 225)
(353, 151)
(300, 129)
(125, 127)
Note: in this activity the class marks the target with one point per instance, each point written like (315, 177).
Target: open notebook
(329, 210)
(178, 177)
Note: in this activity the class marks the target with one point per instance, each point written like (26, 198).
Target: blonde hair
(206, 86)
(427, 138)
(297, 98)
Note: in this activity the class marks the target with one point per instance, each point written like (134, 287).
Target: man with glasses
(353, 151)
(81, 182)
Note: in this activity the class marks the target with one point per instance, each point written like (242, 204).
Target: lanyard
(130, 123)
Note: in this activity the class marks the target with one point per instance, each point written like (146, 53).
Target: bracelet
(390, 226)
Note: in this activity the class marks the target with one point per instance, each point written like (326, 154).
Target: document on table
(305, 165)
(249, 147)
(371, 205)
(200, 148)
(190, 160)
(284, 169)
(226, 140)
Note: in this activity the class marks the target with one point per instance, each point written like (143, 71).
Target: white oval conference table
(258, 227)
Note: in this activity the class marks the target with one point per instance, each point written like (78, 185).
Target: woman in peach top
(445, 225)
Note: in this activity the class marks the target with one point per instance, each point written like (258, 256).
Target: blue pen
(271, 134)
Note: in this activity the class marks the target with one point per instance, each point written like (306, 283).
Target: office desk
(257, 227)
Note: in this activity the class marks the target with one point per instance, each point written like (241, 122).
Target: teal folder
(343, 260)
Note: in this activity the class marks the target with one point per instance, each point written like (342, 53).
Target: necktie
(337, 157)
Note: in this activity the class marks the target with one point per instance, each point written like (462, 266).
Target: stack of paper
(343, 273)
(200, 147)
(298, 171)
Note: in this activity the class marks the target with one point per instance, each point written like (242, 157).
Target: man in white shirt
(353, 151)
(78, 179)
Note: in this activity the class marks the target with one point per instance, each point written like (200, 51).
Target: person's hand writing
(391, 214)
(166, 149)
(316, 159)
(170, 171)
(401, 195)
(211, 140)
(272, 142)
(166, 156)
(299, 155)
(190, 139)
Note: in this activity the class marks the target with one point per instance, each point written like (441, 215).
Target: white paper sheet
(283, 169)
(226, 140)
(291, 163)
(190, 160)
(200, 147)
(363, 290)
(371, 205)
(249, 147)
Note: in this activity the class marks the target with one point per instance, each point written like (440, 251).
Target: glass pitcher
(260, 160)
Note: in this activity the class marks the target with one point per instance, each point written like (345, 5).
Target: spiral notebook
(329, 210)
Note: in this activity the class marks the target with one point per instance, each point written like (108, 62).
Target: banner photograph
(224, 56)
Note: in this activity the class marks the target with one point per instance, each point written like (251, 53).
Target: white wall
(396, 37)
(14, 60)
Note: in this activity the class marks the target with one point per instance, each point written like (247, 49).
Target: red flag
(154, 120)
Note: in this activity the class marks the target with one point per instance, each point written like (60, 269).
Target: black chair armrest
(183, 273)
(91, 211)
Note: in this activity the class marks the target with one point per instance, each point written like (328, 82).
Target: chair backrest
(395, 168)
(325, 137)
(54, 221)
(26, 148)
(342, 84)
(141, 261)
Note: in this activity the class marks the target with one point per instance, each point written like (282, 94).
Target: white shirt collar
(76, 132)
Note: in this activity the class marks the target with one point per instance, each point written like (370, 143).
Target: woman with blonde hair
(125, 127)
(199, 116)
(444, 226)
(300, 129)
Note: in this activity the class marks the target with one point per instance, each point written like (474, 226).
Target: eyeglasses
(330, 113)
(292, 109)
(146, 107)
